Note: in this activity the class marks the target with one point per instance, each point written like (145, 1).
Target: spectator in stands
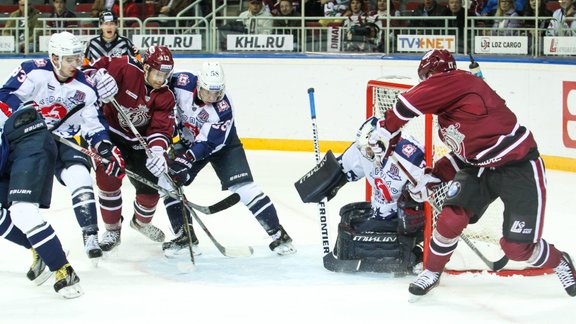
(430, 8)
(130, 9)
(109, 43)
(456, 10)
(490, 7)
(356, 15)
(101, 5)
(60, 11)
(504, 27)
(333, 8)
(171, 8)
(16, 27)
(536, 7)
(254, 19)
(378, 16)
(289, 25)
(314, 8)
(559, 26)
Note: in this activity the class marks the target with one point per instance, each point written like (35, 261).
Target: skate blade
(414, 298)
(110, 254)
(177, 254)
(285, 250)
(71, 292)
(94, 261)
(43, 277)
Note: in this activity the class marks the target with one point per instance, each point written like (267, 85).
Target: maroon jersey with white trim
(474, 121)
(151, 111)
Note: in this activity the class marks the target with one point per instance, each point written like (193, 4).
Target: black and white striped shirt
(98, 47)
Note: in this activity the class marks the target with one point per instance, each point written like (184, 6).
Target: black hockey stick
(238, 251)
(493, 265)
(322, 204)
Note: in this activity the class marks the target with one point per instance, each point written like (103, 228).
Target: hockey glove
(421, 191)
(115, 167)
(156, 162)
(379, 149)
(179, 169)
(105, 85)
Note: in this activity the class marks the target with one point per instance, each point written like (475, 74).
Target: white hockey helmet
(64, 44)
(363, 135)
(211, 80)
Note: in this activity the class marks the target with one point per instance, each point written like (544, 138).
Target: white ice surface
(139, 285)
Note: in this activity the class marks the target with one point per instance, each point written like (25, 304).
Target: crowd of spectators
(363, 21)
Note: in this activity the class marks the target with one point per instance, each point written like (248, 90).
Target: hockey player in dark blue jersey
(207, 130)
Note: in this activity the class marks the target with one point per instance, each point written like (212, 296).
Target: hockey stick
(321, 204)
(493, 265)
(236, 252)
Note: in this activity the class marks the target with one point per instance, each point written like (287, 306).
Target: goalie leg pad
(323, 181)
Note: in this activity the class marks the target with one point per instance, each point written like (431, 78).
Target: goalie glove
(156, 162)
(379, 149)
(179, 169)
(105, 85)
(115, 165)
(420, 192)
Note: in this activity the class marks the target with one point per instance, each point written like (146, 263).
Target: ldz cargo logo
(177, 42)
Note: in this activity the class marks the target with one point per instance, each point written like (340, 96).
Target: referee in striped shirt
(109, 43)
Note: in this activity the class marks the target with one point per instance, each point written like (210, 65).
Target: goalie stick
(322, 204)
(493, 265)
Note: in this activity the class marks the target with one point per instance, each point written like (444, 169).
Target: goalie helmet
(64, 44)
(211, 81)
(363, 135)
(436, 60)
(159, 58)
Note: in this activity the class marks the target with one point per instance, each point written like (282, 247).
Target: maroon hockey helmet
(436, 60)
(159, 58)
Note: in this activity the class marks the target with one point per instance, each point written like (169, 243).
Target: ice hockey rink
(139, 285)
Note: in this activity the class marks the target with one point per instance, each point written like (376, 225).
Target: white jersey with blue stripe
(34, 80)
(204, 128)
(387, 180)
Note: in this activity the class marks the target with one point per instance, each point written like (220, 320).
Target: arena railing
(199, 34)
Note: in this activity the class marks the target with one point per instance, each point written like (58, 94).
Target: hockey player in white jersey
(385, 232)
(68, 101)
(207, 130)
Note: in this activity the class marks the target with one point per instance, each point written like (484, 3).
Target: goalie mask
(211, 83)
(363, 135)
(66, 53)
(436, 60)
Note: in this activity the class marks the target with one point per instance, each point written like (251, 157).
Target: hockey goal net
(485, 234)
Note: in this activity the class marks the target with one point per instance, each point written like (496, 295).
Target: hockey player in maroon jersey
(144, 94)
(493, 156)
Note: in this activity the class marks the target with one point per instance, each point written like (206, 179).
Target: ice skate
(179, 245)
(38, 273)
(281, 242)
(67, 282)
(567, 274)
(110, 240)
(91, 246)
(425, 282)
(150, 231)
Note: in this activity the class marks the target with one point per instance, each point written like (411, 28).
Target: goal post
(380, 96)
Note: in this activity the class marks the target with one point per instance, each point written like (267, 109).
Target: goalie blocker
(380, 245)
(323, 181)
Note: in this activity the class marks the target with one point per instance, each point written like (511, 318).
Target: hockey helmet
(64, 44)
(436, 60)
(159, 58)
(363, 135)
(211, 82)
(107, 16)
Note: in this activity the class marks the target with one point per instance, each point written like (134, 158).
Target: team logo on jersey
(53, 113)
(203, 115)
(408, 150)
(452, 137)
(393, 172)
(138, 116)
(183, 80)
(40, 62)
(222, 105)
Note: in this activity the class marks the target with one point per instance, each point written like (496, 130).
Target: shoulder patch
(40, 62)
(182, 80)
(408, 149)
(222, 105)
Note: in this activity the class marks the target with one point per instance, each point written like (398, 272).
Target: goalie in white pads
(205, 123)
(384, 233)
